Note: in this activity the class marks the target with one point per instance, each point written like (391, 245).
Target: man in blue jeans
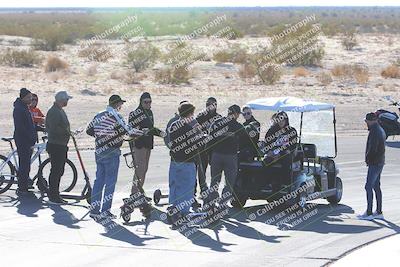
(375, 159)
(109, 128)
(185, 139)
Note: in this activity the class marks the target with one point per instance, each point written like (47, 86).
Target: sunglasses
(147, 102)
(247, 113)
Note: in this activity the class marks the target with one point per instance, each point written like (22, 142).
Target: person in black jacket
(25, 137)
(375, 160)
(226, 134)
(205, 118)
(142, 119)
(249, 148)
(185, 139)
(280, 145)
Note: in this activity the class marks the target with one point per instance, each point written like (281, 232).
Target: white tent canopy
(289, 104)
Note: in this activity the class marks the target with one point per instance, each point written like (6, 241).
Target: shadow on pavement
(394, 144)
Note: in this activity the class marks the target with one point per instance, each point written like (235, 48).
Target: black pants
(201, 171)
(24, 162)
(58, 157)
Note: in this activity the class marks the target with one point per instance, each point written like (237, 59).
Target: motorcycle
(388, 120)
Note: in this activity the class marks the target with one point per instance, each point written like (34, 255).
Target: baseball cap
(114, 99)
(62, 95)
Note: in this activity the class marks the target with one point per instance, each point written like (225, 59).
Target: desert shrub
(349, 41)
(296, 48)
(232, 34)
(324, 78)
(96, 52)
(92, 70)
(54, 64)
(132, 77)
(20, 58)
(247, 71)
(234, 54)
(392, 71)
(300, 72)
(170, 75)
(52, 39)
(357, 72)
(142, 56)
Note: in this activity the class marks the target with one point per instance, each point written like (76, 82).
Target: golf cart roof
(290, 104)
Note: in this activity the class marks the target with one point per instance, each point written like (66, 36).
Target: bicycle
(9, 168)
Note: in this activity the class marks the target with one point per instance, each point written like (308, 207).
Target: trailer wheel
(339, 192)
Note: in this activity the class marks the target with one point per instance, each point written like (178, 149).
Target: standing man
(58, 130)
(142, 119)
(108, 127)
(249, 148)
(375, 159)
(25, 137)
(226, 134)
(205, 119)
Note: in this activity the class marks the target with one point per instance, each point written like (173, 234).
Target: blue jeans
(374, 182)
(106, 178)
(182, 179)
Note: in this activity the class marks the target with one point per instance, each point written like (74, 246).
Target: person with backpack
(25, 137)
(109, 128)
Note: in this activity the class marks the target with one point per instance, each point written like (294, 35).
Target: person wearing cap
(226, 134)
(205, 118)
(248, 148)
(25, 137)
(185, 139)
(375, 160)
(142, 118)
(109, 128)
(58, 130)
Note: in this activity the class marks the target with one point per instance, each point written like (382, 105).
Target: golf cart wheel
(239, 201)
(335, 199)
(7, 174)
(302, 199)
(157, 196)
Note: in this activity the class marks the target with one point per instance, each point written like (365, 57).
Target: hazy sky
(186, 3)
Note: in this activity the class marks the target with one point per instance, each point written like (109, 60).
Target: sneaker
(95, 216)
(23, 192)
(108, 214)
(365, 217)
(57, 201)
(378, 216)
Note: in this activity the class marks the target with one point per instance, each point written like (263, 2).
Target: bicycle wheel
(7, 174)
(68, 180)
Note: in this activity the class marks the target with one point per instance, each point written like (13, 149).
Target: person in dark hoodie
(375, 160)
(205, 118)
(248, 148)
(25, 137)
(142, 119)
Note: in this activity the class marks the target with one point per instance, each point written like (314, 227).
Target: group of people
(195, 142)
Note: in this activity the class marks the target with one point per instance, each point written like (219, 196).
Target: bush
(142, 56)
(183, 56)
(96, 52)
(20, 58)
(171, 75)
(324, 78)
(357, 72)
(392, 71)
(234, 54)
(349, 41)
(247, 71)
(132, 77)
(297, 48)
(54, 63)
(300, 72)
(50, 40)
